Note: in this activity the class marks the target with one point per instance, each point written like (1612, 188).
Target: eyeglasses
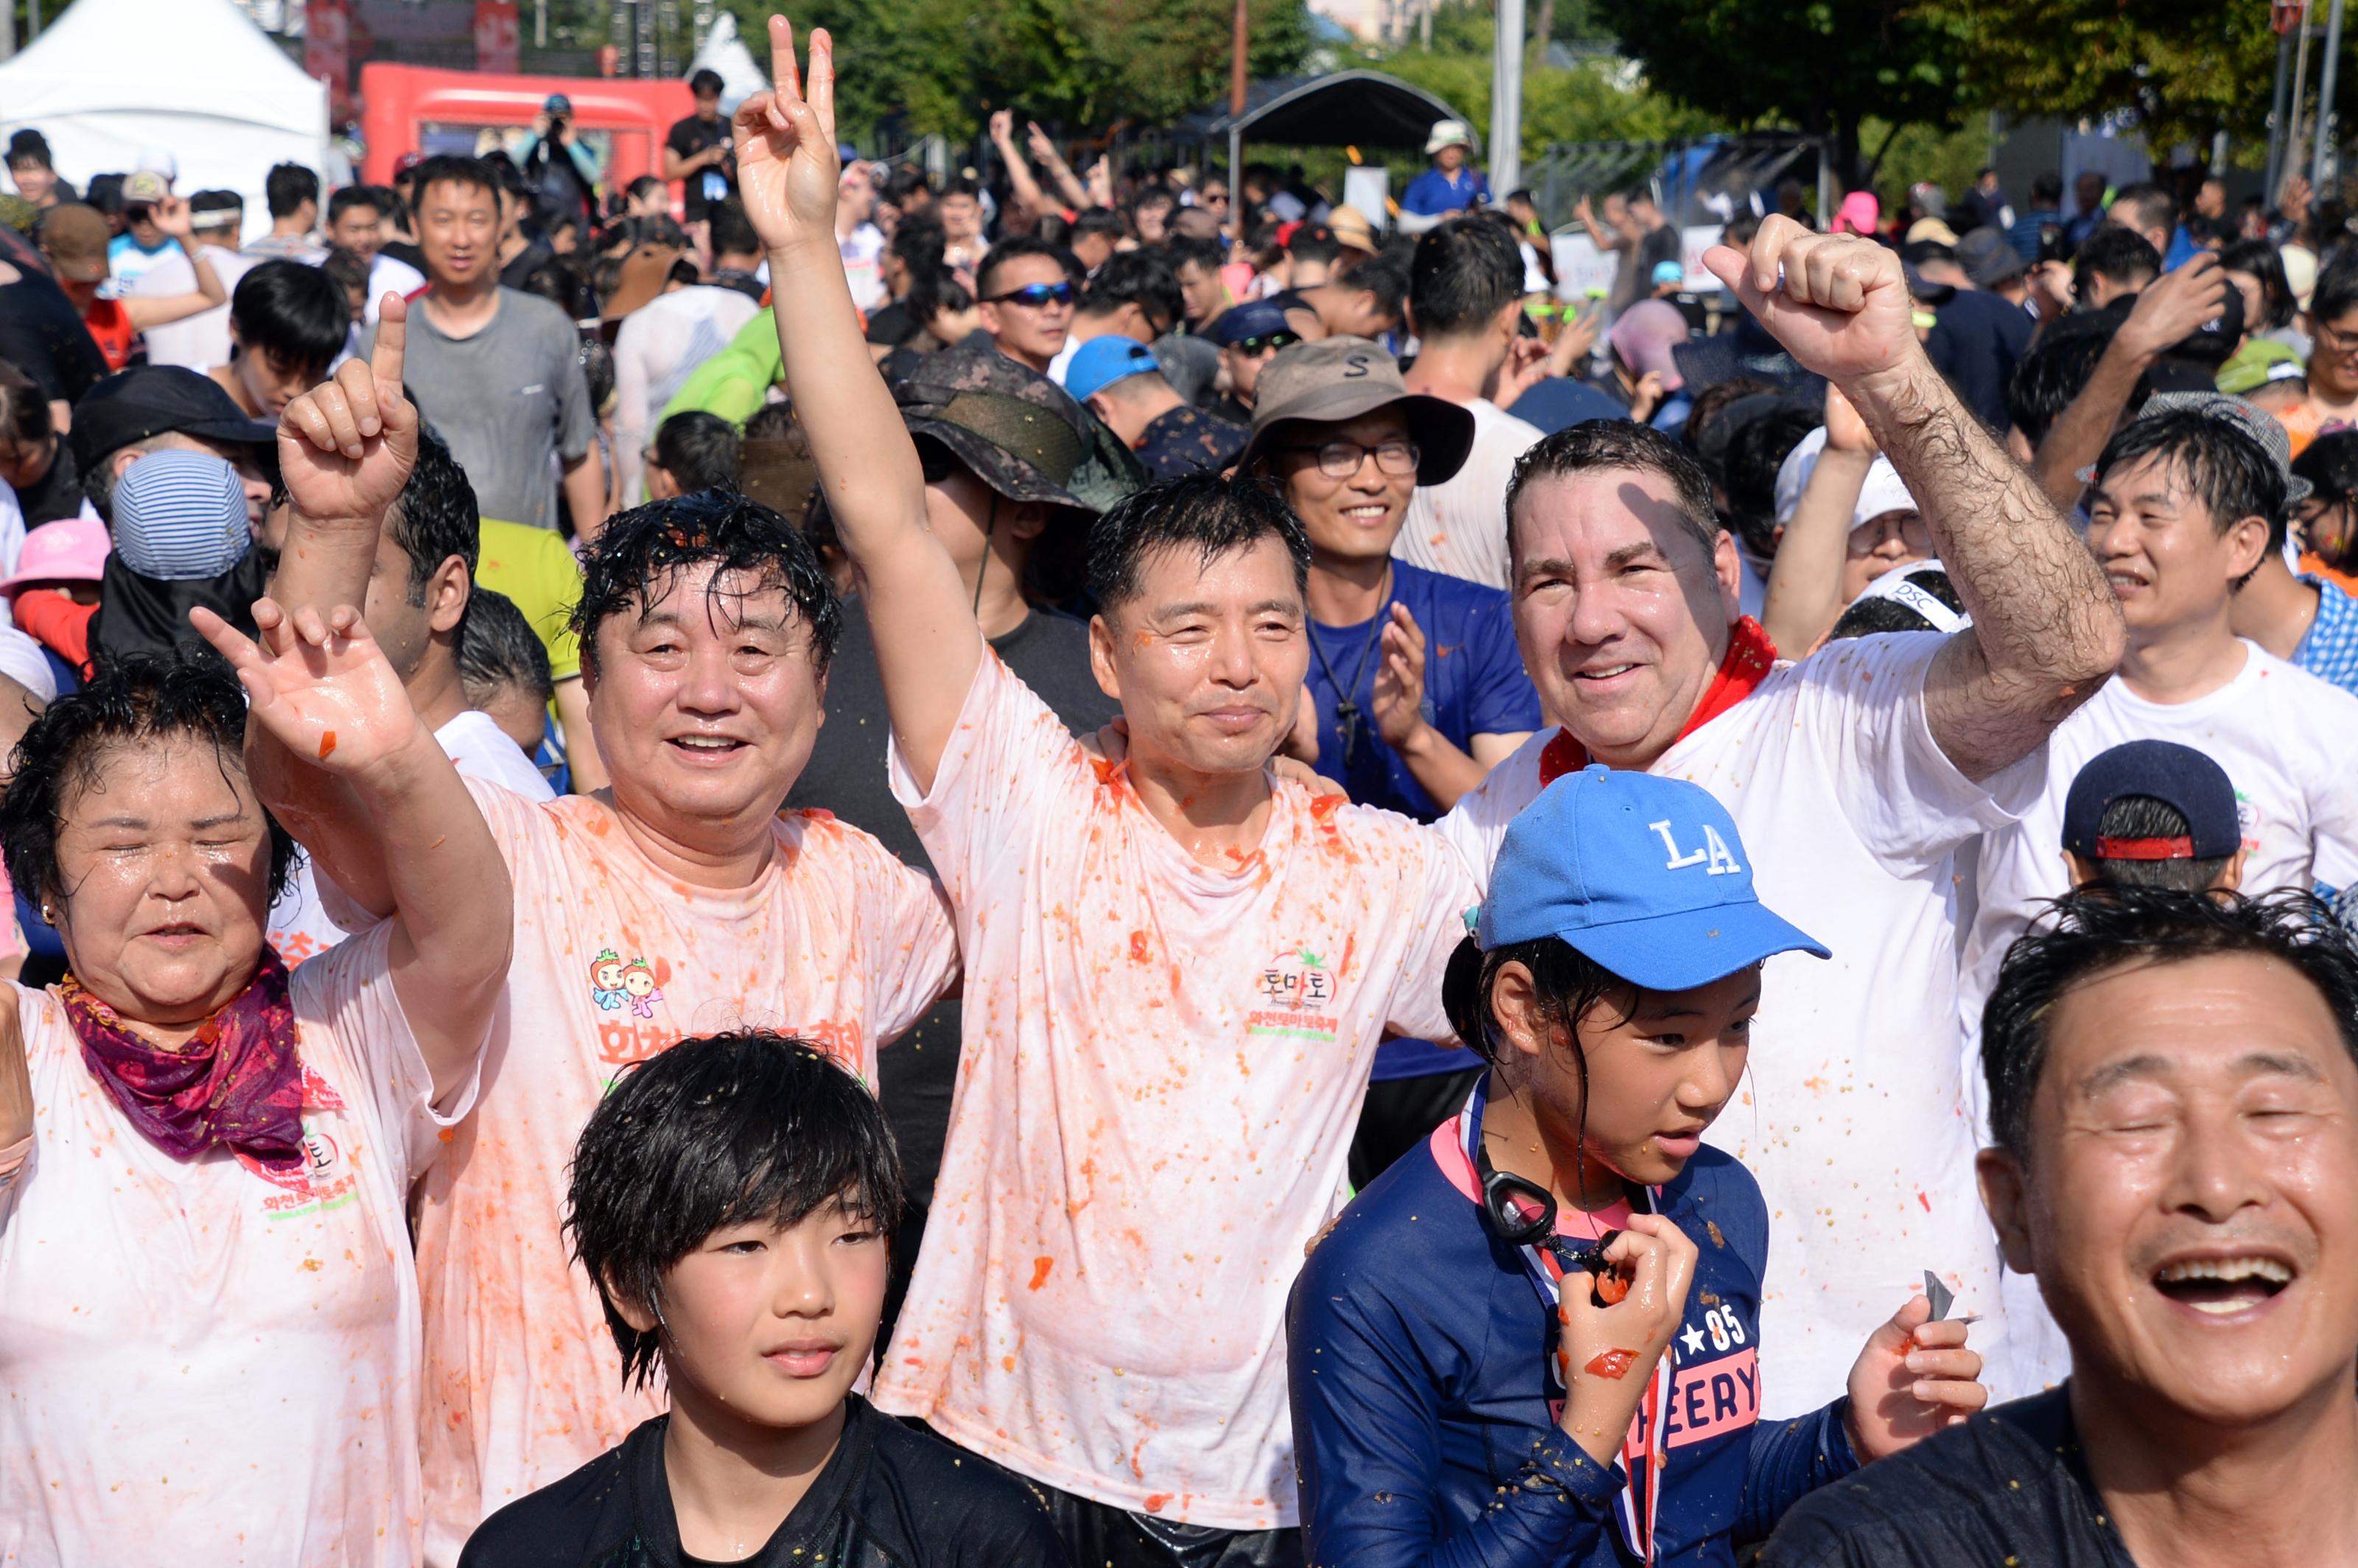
(1267, 343)
(1910, 527)
(1341, 460)
(2340, 343)
(1034, 295)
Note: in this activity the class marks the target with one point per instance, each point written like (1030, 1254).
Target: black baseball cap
(150, 400)
(2177, 776)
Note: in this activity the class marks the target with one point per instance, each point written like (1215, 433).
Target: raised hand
(1003, 127)
(172, 216)
(318, 686)
(2175, 306)
(787, 166)
(1400, 680)
(1914, 1377)
(1838, 302)
(346, 447)
(1044, 147)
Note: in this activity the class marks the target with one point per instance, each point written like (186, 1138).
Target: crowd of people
(788, 866)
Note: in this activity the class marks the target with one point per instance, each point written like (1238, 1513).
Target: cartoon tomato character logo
(606, 987)
(639, 981)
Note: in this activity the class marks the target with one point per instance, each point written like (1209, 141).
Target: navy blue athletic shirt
(1416, 1348)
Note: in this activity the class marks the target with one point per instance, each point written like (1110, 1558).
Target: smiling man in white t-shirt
(1854, 774)
(2187, 502)
(1179, 968)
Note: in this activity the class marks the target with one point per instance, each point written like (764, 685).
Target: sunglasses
(1267, 343)
(1034, 296)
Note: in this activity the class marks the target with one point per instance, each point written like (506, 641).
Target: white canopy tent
(194, 78)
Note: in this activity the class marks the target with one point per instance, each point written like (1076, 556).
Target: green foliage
(1948, 159)
(2188, 67)
(1820, 65)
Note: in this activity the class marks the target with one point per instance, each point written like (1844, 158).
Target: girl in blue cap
(1534, 1342)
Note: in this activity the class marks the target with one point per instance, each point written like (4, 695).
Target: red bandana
(237, 1082)
(1750, 656)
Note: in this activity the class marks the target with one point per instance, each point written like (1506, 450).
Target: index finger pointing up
(392, 337)
(784, 73)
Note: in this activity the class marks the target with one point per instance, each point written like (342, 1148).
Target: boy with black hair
(504, 668)
(732, 1199)
(1195, 261)
(692, 451)
(1466, 305)
(1097, 235)
(287, 322)
(2114, 261)
(1369, 301)
(736, 254)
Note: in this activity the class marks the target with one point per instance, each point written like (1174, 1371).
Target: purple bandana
(237, 1082)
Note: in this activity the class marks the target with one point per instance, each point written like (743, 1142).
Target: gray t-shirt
(503, 399)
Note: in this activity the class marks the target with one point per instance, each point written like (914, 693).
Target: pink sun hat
(73, 549)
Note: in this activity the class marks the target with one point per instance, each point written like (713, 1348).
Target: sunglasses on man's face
(1034, 296)
(1266, 343)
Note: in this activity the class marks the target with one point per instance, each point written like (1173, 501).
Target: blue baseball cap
(2177, 776)
(1253, 319)
(1102, 361)
(1647, 876)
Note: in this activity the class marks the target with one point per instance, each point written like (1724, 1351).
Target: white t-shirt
(199, 1363)
(616, 961)
(1459, 528)
(195, 343)
(390, 274)
(659, 344)
(1163, 1067)
(301, 928)
(863, 254)
(1854, 1116)
(2290, 744)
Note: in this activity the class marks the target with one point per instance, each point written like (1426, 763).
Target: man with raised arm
(1179, 966)
(676, 897)
(1854, 774)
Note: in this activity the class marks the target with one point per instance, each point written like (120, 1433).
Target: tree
(2188, 68)
(1821, 65)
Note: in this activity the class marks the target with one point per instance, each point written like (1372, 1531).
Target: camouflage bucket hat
(1019, 433)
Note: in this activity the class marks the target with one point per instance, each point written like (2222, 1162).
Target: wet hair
(1462, 273)
(287, 186)
(1021, 245)
(2096, 931)
(1867, 617)
(2330, 464)
(726, 1130)
(1202, 513)
(2142, 817)
(640, 552)
(498, 647)
(2121, 256)
(2227, 468)
(298, 313)
(1135, 277)
(135, 699)
(1607, 443)
(1386, 277)
(732, 232)
(2055, 369)
(2263, 261)
(434, 518)
(468, 173)
(698, 450)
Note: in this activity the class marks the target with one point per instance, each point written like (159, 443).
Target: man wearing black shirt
(1015, 531)
(2173, 1086)
(697, 151)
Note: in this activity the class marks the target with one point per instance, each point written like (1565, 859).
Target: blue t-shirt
(1416, 1348)
(2330, 651)
(1432, 193)
(1473, 683)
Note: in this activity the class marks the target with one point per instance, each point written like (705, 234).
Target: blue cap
(179, 516)
(1669, 272)
(1253, 319)
(1647, 876)
(2177, 776)
(1102, 361)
